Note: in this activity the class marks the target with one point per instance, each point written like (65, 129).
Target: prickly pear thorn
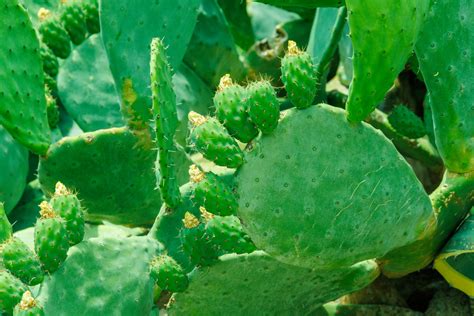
(196, 119)
(43, 14)
(293, 49)
(226, 81)
(195, 174)
(27, 301)
(190, 221)
(46, 211)
(205, 214)
(60, 189)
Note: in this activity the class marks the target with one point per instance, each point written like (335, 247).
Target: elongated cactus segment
(232, 111)
(214, 142)
(263, 105)
(446, 62)
(67, 206)
(11, 290)
(168, 274)
(166, 121)
(306, 232)
(213, 193)
(22, 103)
(299, 76)
(51, 241)
(381, 48)
(21, 261)
(294, 290)
(406, 123)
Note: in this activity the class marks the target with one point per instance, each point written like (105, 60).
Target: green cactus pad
(447, 63)
(231, 110)
(13, 170)
(28, 306)
(127, 195)
(169, 223)
(168, 274)
(55, 36)
(383, 34)
(212, 52)
(227, 234)
(215, 195)
(87, 89)
(299, 76)
(214, 142)
(113, 271)
(69, 208)
(223, 288)
(406, 123)
(21, 261)
(239, 22)
(22, 101)
(51, 242)
(263, 106)
(310, 4)
(166, 122)
(50, 62)
(91, 15)
(11, 290)
(127, 32)
(297, 216)
(74, 21)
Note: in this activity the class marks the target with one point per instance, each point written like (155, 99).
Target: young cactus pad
(361, 193)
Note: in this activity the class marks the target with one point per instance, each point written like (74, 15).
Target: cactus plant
(203, 158)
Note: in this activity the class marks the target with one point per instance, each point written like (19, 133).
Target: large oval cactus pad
(307, 204)
(22, 99)
(257, 284)
(444, 50)
(113, 172)
(103, 269)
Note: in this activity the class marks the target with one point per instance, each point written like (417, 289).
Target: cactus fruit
(263, 106)
(405, 122)
(11, 290)
(74, 21)
(213, 193)
(21, 261)
(91, 15)
(28, 306)
(51, 242)
(299, 76)
(50, 62)
(54, 35)
(231, 110)
(168, 274)
(214, 142)
(68, 207)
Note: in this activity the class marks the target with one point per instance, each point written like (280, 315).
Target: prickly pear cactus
(228, 157)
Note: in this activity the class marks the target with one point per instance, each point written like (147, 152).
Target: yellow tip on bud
(293, 49)
(43, 14)
(196, 119)
(46, 211)
(60, 189)
(205, 214)
(195, 174)
(190, 221)
(27, 301)
(226, 81)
